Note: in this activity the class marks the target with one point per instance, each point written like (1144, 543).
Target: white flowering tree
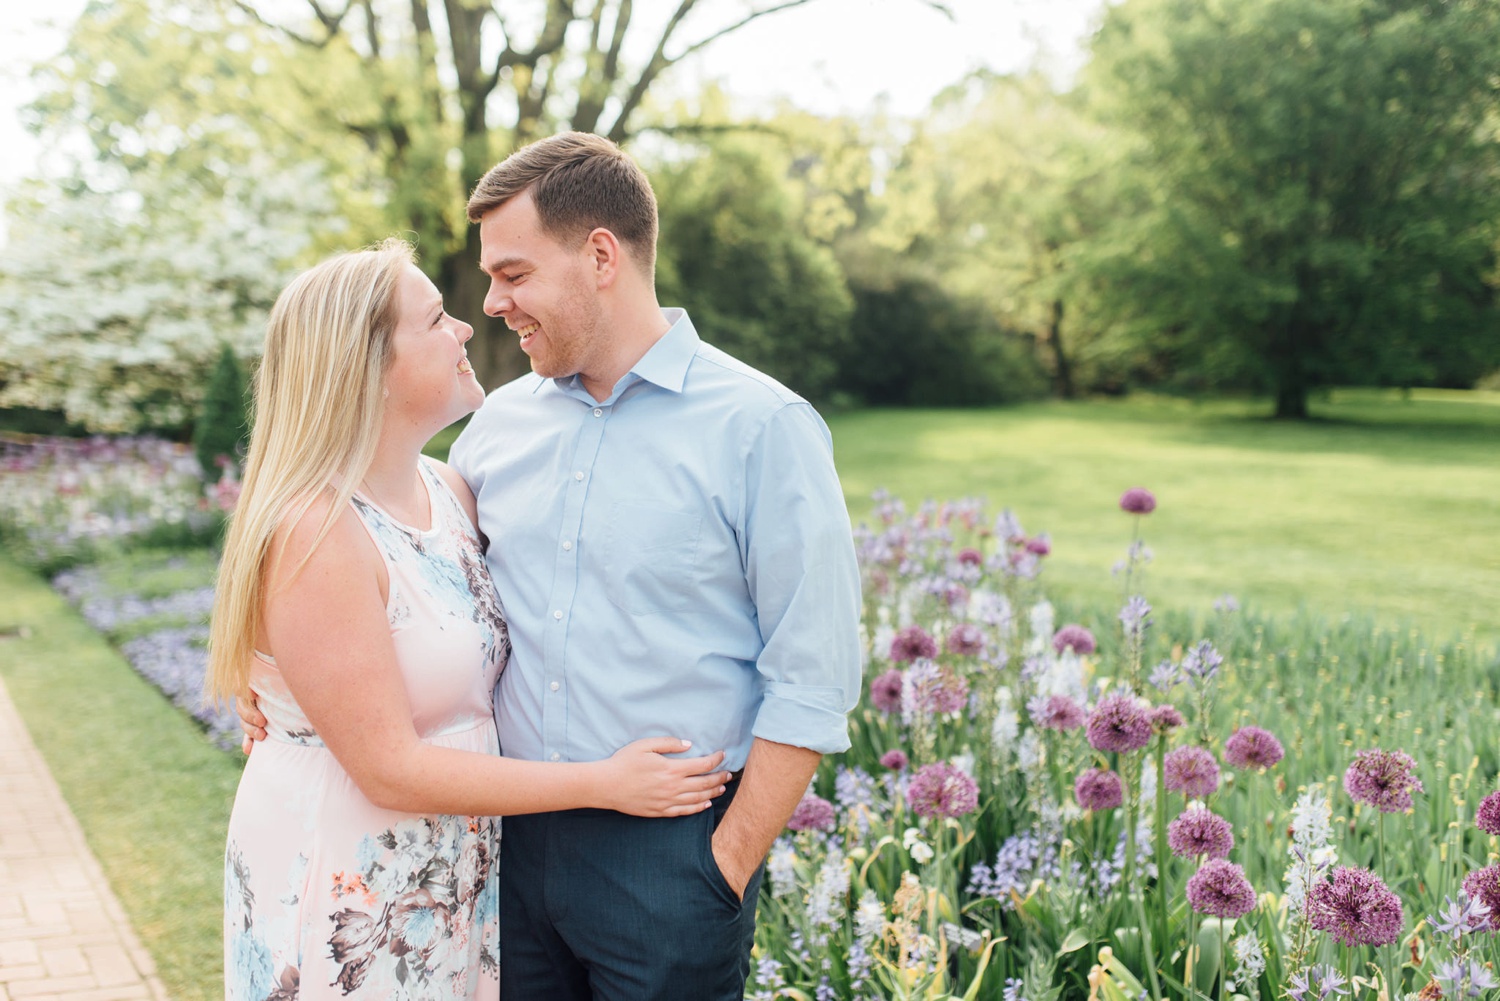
(115, 298)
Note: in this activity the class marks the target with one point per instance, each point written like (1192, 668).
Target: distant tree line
(1271, 196)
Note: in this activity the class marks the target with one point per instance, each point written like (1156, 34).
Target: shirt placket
(580, 474)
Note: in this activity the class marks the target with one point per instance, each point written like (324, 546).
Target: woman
(355, 604)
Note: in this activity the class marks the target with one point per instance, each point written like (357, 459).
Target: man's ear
(607, 254)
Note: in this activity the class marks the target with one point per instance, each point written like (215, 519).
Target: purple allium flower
(912, 643)
(1191, 771)
(965, 640)
(1165, 718)
(942, 790)
(1252, 747)
(1039, 545)
(1098, 789)
(1220, 888)
(1488, 814)
(1137, 500)
(813, 813)
(1355, 907)
(1383, 779)
(1483, 885)
(895, 759)
(1075, 636)
(1200, 831)
(955, 594)
(1055, 712)
(885, 691)
(1119, 723)
(970, 557)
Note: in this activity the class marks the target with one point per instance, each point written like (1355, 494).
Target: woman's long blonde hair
(319, 400)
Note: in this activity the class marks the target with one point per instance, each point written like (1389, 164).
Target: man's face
(543, 289)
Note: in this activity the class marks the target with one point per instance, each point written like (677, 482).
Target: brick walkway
(62, 932)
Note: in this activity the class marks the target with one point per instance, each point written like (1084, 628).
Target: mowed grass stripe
(150, 792)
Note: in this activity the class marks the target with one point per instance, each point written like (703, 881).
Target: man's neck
(641, 328)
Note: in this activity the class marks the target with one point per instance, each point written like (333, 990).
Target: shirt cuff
(810, 716)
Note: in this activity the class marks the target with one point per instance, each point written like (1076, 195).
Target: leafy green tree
(405, 105)
(222, 428)
(915, 344)
(733, 255)
(1000, 185)
(1320, 188)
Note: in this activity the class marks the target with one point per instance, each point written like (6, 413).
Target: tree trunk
(1291, 400)
(1062, 368)
(1291, 380)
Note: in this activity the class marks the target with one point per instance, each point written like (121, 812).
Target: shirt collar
(666, 362)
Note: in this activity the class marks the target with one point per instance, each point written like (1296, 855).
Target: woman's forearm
(424, 778)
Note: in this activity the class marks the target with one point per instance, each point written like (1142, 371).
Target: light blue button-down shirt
(673, 561)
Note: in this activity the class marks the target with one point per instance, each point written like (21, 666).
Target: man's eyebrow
(501, 265)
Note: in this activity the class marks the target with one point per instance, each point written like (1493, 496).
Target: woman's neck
(393, 482)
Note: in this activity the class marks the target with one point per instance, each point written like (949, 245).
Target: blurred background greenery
(1271, 197)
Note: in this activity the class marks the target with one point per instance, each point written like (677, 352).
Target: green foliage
(915, 344)
(1002, 182)
(222, 429)
(1317, 190)
(754, 285)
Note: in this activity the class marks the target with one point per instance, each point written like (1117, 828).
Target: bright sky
(828, 56)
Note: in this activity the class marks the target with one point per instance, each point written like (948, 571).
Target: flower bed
(68, 500)
(1035, 810)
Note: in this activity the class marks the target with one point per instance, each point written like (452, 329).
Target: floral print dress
(328, 896)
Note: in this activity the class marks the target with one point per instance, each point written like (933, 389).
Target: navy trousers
(599, 905)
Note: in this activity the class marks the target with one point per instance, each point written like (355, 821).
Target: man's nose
(497, 302)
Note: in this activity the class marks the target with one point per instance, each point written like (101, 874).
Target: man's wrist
(730, 842)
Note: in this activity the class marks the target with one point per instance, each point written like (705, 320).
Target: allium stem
(1131, 767)
(1163, 891)
(1149, 943)
(1192, 953)
(1223, 980)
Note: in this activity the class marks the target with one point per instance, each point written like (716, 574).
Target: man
(670, 544)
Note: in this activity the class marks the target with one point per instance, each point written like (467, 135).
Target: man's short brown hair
(579, 182)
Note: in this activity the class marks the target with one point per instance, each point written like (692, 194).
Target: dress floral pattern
(327, 895)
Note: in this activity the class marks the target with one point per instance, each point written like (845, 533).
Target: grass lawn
(1379, 504)
(150, 792)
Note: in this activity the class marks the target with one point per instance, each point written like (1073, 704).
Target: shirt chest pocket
(650, 558)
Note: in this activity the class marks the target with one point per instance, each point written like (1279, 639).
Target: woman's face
(430, 382)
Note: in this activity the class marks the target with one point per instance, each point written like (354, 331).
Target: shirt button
(598, 412)
(578, 476)
(556, 756)
(554, 686)
(557, 614)
(568, 545)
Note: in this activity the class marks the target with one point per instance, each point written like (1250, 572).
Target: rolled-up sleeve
(802, 574)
